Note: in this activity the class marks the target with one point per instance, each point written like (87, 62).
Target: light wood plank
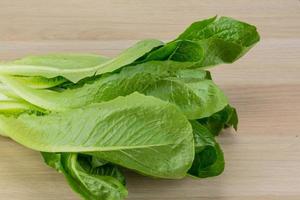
(134, 19)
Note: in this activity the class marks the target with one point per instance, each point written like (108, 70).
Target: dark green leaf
(209, 159)
(223, 119)
(209, 42)
(104, 182)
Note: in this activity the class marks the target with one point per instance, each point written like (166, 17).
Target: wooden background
(263, 159)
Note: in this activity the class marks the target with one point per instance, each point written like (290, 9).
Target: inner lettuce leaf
(16, 107)
(130, 79)
(197, 99)
(57, 60)
(170, 81)
(7, 94)
(105, 182)
(79, 67)
(138, 132)
(39, 82)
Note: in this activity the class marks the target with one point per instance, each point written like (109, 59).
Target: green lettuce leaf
(76, 67)
(196, 99)
(104, 182)
(209, 42)
(57, 62)
(15, 107)
(7, 94)
(138, 132)
(223, 119)
(209, 159)
(130, 79)
(170, 81)
(60, 61)
(39, 82)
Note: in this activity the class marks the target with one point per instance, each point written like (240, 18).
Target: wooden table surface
(262, 160)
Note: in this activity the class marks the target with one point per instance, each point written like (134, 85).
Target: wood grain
(263, 158)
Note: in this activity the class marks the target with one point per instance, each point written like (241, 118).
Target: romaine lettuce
(153, 109)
